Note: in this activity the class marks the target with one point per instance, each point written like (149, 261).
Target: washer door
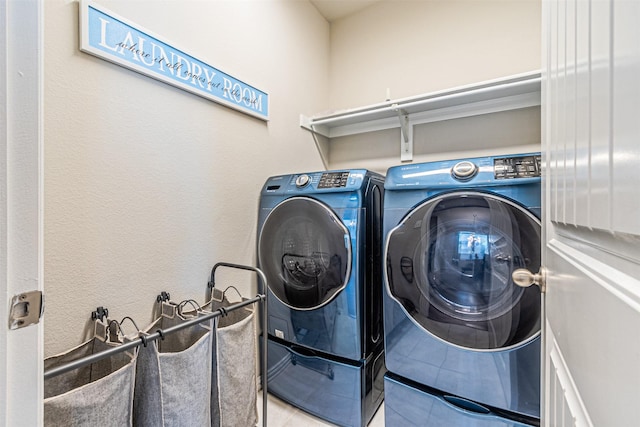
(449, 265)
(305, 252)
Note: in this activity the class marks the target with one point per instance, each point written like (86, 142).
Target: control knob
(464, 170)
(302, 180)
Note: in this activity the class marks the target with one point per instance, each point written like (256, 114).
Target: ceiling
(336, 9)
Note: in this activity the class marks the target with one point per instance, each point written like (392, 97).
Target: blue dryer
(320, 247)
(462, 340)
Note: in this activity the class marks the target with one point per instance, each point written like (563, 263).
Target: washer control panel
(333, 180)
(517, 167)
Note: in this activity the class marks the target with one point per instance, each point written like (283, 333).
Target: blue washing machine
(462, 340)
(320, 247)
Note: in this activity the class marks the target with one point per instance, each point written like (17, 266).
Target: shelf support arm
(406, 135)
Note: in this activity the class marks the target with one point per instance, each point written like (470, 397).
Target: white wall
(147, 186)
(508, 132)
(412, 47)
(415, 47)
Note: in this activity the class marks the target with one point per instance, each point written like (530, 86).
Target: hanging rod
(84, 361)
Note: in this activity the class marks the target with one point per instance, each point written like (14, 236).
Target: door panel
(626, 104)
(566, 409)
(597, 336)
(591, 198)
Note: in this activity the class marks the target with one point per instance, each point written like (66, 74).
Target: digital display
(472, 245)
(333, 180)
(516, 167)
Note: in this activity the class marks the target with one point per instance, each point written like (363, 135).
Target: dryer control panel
(516, 167)
(316, 182)
(333, 180)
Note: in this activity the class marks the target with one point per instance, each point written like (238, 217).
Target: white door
(591, 197)
(21, 375)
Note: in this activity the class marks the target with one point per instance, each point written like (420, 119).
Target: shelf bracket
(406, 135)
(307, 123)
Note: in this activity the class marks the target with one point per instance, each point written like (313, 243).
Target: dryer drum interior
(305, 252)
(449, 265)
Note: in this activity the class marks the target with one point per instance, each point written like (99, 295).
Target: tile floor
(281, 414)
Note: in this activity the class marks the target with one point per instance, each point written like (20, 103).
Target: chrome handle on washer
(524, 278)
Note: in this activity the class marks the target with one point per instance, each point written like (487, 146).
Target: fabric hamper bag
(97, 394)
(236, 362)
(173, 376)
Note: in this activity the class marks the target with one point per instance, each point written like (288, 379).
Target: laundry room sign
(113, 38)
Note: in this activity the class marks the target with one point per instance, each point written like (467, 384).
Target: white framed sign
(113, 38)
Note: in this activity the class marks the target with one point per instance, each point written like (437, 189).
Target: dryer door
(305, 252)
(449, 265)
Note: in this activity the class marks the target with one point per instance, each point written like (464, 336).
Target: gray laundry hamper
(97, 394)
(236, 361)
(173, 376)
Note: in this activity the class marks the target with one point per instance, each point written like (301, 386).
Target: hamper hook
(131, 320)
(231, 287)
(193, 303)
(114, 333)
(164, 296)
(144, 340)
(100, 313)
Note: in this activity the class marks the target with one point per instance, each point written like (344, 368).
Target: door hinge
(26, 309)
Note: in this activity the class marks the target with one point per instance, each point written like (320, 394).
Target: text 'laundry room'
(350, 213)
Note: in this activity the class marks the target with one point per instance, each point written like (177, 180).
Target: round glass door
(449, 265)
(305, 252)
